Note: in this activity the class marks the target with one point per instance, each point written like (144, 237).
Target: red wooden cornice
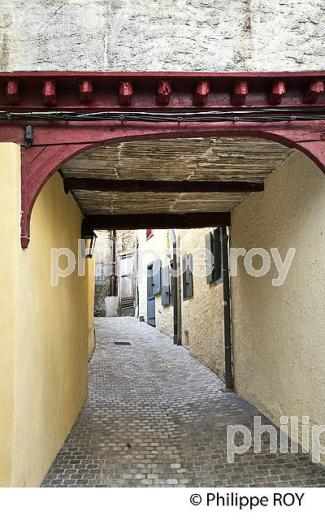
(153, 90)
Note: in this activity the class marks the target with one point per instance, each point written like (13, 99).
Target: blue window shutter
(156, 278)
(190, 276)
(187, 267)
(184, 276)
(209, 246)
(165, 285)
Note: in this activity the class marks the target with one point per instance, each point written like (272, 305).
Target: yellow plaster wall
(49, 332)
(9, 235)
(279, 332)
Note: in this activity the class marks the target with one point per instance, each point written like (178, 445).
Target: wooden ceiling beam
(106, 185)
(160, 220)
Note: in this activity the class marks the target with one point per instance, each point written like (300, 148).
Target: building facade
(47, 331)
(115, 264)
(188, 301)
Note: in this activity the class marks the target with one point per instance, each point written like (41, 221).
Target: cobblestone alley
(157, 417)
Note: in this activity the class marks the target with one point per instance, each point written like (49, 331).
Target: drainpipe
(136, 279)
(177, 302)
(227, 310)
(113, 276)
(179, 291)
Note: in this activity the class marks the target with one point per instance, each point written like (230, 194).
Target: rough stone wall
(126, 240)
(279, 332)
(177, 35)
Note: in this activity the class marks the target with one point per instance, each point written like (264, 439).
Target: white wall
(279, 332)
(176, 35)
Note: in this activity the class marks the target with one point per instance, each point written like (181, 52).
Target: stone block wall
(175, 35)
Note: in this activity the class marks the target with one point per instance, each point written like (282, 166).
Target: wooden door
(127, 284)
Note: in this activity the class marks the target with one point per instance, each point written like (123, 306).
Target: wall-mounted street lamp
(88, 233)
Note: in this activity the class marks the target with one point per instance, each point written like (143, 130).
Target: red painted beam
(160, 220)
(90, 134)
(145, 90)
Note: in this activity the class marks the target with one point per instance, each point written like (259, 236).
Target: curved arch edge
(40, 162)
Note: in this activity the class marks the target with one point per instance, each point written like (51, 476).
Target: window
(99, 272)
(149, 233)
(187, 268)
(214, 256)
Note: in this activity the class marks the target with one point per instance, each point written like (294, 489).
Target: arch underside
(227, 153)
(163, 166)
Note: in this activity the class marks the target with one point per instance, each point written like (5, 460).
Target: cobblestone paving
(157, 417)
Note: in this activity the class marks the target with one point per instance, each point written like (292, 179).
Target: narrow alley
(156, 416)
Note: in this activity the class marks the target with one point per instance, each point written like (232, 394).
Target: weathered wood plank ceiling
(199, 159)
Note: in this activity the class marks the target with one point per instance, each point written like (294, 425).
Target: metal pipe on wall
(227, 310)
(113, 276)
(179, 292)
(177, 302)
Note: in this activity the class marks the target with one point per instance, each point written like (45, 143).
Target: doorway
(127, 288)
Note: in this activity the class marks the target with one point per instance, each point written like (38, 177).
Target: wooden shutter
(156, 277)
(217, 277)
(165, 286)
(214, 261)
(173, 285)
(187, 264)
(209, 246)
(184, 276)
